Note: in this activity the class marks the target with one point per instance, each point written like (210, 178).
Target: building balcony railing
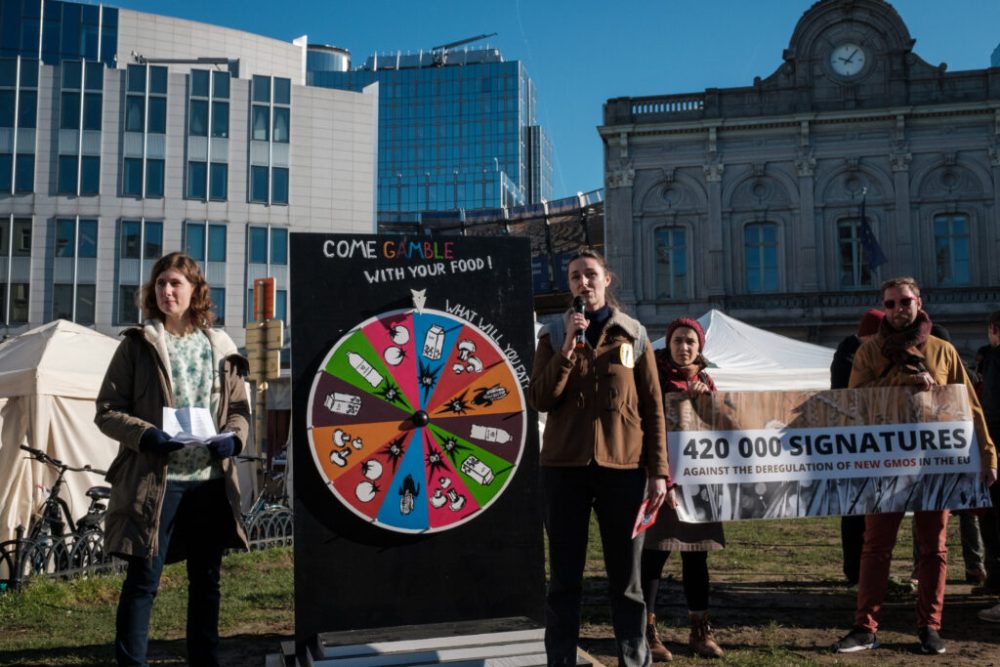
(656, 108)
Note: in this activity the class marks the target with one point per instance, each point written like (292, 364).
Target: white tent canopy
(745, 358)
(49, 378)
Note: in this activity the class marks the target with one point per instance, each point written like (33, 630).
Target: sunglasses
(890, 304)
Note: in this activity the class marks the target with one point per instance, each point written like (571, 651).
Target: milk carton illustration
(434, 342)
(477, 470)
(345, 404)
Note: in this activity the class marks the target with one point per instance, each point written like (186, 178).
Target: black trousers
(615, 496)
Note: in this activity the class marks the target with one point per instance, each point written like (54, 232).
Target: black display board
(416, 496)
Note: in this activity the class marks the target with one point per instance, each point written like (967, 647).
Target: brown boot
(702, 641)
(657, 650)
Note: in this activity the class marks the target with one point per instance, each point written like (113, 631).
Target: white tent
(49, 378)
(745, 358)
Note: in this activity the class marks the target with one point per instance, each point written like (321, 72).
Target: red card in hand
(644, 519)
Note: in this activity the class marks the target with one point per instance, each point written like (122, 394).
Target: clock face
(848, 59)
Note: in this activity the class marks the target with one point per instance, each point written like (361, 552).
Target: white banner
(796, 454)
(773, 454)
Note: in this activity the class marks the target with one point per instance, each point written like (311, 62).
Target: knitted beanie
(870, 322)
(690, 324)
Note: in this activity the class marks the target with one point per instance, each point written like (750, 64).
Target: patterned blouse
(191, 377)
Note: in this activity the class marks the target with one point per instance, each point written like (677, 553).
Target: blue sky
(583, 52)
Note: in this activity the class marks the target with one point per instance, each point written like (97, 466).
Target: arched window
(951, 249)
(671, 263)
(760, 248)
(852, 262)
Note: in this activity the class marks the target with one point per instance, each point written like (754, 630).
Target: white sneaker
(991, 615)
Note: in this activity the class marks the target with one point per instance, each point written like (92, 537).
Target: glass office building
(457, 130)
(126, 135)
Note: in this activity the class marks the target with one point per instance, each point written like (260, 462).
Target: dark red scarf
(905, 347)
(679, 378)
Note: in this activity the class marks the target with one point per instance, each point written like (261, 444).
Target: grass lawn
(777, 599)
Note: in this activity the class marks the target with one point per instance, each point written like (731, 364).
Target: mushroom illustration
(340, 438)
(340, 457)
(474, 365)
(465, 349)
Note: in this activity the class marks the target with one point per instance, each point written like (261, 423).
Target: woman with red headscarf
(682, 370)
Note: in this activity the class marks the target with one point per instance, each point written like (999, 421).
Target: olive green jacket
(135, 390)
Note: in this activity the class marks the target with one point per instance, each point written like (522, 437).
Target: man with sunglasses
(904, 353)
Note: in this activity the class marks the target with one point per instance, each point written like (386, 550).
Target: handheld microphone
(581, 340)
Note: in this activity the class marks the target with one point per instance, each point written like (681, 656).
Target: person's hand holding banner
(656, 493)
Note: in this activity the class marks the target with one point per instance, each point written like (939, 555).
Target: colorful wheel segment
(416, 421)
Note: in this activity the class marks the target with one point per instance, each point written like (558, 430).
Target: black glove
(155, 441)
(222, 449)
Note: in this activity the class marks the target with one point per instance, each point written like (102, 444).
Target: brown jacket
(135, 390)
(599, 408)
(872, 369)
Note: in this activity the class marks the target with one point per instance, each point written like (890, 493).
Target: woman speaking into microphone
(603, 449)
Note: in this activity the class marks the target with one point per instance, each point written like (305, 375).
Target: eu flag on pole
(869, 244)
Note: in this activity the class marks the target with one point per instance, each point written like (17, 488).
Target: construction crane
(440, 53)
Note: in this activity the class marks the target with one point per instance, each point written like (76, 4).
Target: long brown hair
(588, 253)
(200, 310)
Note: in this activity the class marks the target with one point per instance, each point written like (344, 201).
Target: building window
(219, 181)
(218, 296)
(140, 241)
(18, 110)
(279, 185)
(267, 245)
(206, 242)
(154, 178)
(197, 179)
(132, 177)
(208, 117)
(15, 253)
(951, 249)
(671, 263)
(270, 133)
(75, 243)
(852, 263)
(145, 113)
(90, 175)
(66, 177)
(760, 241)
(128, 304)
(258, 184)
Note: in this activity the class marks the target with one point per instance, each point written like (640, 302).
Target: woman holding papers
(173, 498)
(682, 371)
(595, 376)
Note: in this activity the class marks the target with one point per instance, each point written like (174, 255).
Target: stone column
(621, 234)
(809, 265)
(902, 244)
(716, 274)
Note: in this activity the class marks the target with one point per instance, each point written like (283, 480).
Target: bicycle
(48, 547)
(268, 522)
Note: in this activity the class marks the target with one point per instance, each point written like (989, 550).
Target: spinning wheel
(416, 420)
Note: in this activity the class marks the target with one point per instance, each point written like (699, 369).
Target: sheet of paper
(191, 425)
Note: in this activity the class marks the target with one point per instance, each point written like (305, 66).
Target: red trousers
(932, 567)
